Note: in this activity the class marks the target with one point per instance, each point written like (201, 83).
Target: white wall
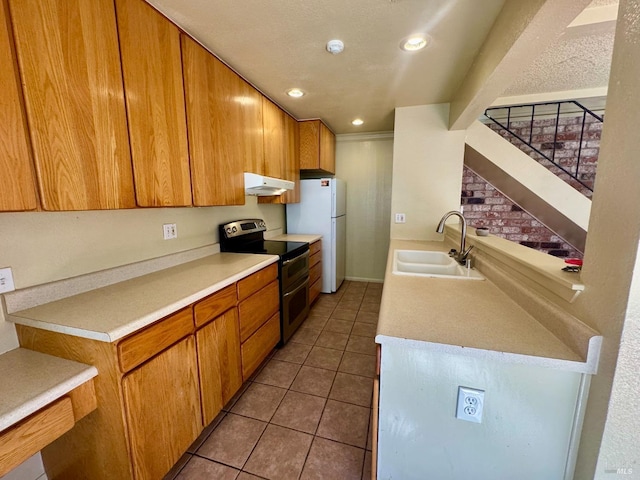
(427, 170)
(611, 272)
(365, 162)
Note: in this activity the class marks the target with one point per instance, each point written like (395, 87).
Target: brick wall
(567, 144)
(484, 206)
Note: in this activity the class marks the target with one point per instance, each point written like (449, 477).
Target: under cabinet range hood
(262, 186)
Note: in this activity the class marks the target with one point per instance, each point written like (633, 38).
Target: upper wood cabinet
(70, 65)
(290, 162)
(252, 143)
(215, 111)
(152, 70)
(274, 138)
(17, 182)
(317, 147)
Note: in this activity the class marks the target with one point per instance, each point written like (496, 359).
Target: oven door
(293, 270)
(295, 307)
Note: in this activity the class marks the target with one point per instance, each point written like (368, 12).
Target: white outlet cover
(400, 218)
(169, 231)
(470, 404)
(6, 280)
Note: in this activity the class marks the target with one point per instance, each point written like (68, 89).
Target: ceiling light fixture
(357, 122)
(295, 92)
(335, 46)
(414, 43)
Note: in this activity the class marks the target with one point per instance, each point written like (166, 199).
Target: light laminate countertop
(36, 379)
(115, 311)
(467, 317)
(294, 237)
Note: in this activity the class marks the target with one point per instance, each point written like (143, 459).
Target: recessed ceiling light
(295, 92)
(413, 43)
(357, 122)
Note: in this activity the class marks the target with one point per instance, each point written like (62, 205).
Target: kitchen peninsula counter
(469, 317)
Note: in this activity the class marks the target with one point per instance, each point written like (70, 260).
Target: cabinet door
(162, 403)
(327, 149)
(309, 145)
(17, 183)
(152, 70)
(292, 158)
(290, 164)
(215, 127)
(252, 141)
(219, 363)
(68, 56)
(274, 148)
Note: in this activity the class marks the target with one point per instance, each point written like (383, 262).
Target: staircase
(529, 176)
(562, 136)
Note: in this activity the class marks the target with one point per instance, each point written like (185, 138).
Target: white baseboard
(362, 279)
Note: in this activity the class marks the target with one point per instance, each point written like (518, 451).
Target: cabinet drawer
(256, 348)
(19, 442)
(315, 259)
(315, 247)
(134, 350)
(315, 273)
(314, 290)
(253, 283)
(257, 309)
(214, 305)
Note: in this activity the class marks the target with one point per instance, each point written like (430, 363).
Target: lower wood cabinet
(157, 388)
(315, 270)
(259, 317)
(258, 346)
(219, 363)
(162, 407)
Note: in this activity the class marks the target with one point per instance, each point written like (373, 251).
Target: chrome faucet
(462, 255)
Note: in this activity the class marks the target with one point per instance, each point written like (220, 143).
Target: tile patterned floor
(306, 413)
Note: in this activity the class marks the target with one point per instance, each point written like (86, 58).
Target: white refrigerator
(323, 210)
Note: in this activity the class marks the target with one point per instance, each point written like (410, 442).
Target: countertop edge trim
(40, 401)
(503, 357)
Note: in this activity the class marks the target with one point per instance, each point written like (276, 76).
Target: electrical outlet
(169, 231)
(470, 404)
(400, 218)
(6, 280)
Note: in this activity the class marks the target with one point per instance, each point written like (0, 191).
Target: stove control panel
(243, 227)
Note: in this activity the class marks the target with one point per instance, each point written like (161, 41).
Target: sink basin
(425, 263)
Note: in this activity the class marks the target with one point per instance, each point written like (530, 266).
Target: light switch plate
(6, 280)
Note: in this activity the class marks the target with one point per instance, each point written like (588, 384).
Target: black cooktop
(247, 236)
(285, 250)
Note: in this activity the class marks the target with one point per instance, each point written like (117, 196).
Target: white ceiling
(280, 44)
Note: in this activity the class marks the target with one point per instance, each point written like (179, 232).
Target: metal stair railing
(548, 110)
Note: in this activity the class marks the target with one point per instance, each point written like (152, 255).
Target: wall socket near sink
(169, 231)
(400, 218)
(6, 280)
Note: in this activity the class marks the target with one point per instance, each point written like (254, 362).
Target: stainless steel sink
(426, 263)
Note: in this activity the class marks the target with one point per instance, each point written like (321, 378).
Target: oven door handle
(287, 262)
(297, 289)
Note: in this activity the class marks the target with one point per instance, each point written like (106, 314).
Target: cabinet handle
(297, 289)
(304, 255)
